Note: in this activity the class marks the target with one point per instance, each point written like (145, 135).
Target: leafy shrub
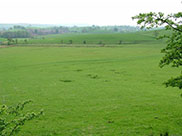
(120, 42)
(12, 118)
(70, 41)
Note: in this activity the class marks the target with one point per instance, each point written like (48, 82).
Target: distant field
(2, 39)
(92, 91)
(110, 38)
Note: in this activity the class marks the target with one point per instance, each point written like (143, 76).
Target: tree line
(18, 31)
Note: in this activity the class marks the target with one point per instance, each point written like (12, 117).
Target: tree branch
(165, 21)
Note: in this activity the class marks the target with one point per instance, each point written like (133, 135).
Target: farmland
(106, 38)
(92, 91)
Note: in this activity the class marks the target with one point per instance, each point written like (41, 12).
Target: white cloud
(99, 12)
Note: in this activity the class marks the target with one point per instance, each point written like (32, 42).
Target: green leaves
(178, 15)
(173, 50)
(175, 82)
(12, 118)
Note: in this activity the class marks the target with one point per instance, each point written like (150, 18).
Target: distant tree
(100, 42)
(120, 42)
(173, 50)
(57, 31)
(16, 41)
(70, 41)
(84, 30)
(36, 31)
(15, 34)
(84, 42)
(25, 41)
(115, 29)
(13, 41)
(9, 41)
(18, 27)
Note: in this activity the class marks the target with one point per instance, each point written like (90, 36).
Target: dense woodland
(28, 31)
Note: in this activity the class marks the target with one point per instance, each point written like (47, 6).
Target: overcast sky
(91, 12)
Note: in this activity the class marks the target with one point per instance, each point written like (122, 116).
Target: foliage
(173, 50)
(21, 31)
(70, 41)
(15, 34)
(12, 118)
(120, 41)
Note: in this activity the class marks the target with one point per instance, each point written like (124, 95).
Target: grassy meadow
(92, 91)
(103, 38)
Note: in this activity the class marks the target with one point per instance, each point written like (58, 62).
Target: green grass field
(108, 38)
(92, 91)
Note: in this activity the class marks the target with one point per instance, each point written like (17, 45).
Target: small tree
(173, 50)
(25, 41)
(12, 118)
(9, 41)
(120, 42)
(16, 41)
(115, 29)
(100, 42)
(70, 41)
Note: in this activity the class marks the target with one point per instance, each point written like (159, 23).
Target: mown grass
(92, 91)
